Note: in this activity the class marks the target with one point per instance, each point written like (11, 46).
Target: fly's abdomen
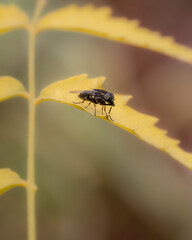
(84, 96)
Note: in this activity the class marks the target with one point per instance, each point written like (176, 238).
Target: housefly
(97, 96)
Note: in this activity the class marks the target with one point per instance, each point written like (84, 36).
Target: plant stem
(31, 220)
(30, 167)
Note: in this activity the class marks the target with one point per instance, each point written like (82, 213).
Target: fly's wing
(100, 92)
(81, 91)
(84, 94)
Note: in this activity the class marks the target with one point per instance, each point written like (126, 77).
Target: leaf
(99, 22)
(9, 179)
(11, 18)
(139, 124)
(10, 87)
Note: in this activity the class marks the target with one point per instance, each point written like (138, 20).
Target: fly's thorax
(84, 95)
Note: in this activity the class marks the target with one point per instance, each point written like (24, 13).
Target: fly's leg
(109, 110)
(88, 105)
(105, 112)
(110, 118)
(79, 102)
(108, 114)
(102, 110)
(95, 109)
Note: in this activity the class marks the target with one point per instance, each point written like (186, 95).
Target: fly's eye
(107, 96)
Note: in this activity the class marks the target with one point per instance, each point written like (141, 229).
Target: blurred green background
(95, 180)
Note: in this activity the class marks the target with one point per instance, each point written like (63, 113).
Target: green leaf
(10, 87)
(99, 22)
(139, 124)
(11, 18)
(9, 179)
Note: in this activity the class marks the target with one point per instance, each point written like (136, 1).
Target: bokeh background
(95, 180)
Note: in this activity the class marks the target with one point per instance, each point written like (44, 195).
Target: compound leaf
(99, 22)
(9, 179)
(10, 87)
(12, 18)
(139, 124)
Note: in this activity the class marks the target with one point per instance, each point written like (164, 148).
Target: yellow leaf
(99, 22)
(9, 179)
(11, 18)
(10, 87)
(139, 124)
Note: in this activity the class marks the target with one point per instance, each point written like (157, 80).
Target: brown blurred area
(96, 181)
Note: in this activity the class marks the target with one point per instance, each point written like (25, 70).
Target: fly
(97, 96)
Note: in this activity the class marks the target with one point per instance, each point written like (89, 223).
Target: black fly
(97, 96)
